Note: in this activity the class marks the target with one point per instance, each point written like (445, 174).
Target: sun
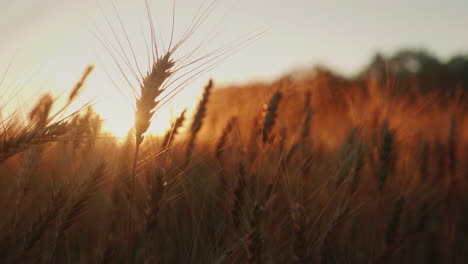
(118, 113)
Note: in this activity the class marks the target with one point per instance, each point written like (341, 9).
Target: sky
(46, 44)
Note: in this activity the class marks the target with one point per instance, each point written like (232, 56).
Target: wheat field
(304, 169)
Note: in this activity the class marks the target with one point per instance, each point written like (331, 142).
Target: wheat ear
(151, 87)
(171, 133)
(198, 120)
(224, 138)
(28, 139)
(270, 115)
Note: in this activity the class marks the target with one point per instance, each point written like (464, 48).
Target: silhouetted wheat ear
(306, 122)
(270, 115)
(172, 132)
(224, 138)
(79, 85)
(346, 156)
(198, 120)
(351, 160)
(386, 161)
(150, 89)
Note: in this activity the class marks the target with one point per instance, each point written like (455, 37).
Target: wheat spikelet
(76, 90)
(150, 89)
(270, 115)
(79, 85)
(386, 155)
(198, 120)
(351, 160)
(224, 137)
(305, 128)
(345, 156)
(171, 133)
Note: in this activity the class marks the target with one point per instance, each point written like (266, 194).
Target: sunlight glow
(119, 45)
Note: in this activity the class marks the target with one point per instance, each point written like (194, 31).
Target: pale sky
(46, 44)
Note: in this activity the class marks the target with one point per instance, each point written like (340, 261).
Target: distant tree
(419, 70)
